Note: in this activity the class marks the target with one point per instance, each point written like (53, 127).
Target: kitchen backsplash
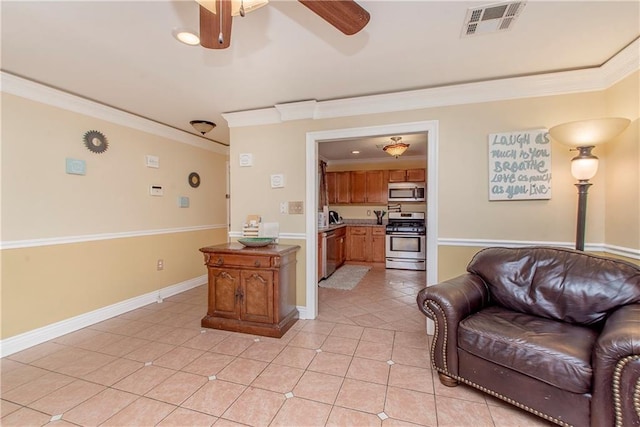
(366, 212)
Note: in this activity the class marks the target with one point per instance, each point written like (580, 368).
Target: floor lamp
(583, 136)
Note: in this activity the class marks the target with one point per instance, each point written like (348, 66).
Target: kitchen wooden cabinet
(339, 186)
(366, 243)
(251, 290)
(407, 175)
(369, 187)
(378, 253)
(358, 243)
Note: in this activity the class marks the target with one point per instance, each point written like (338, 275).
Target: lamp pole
(583, 188)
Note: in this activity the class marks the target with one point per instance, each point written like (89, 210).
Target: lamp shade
(397, 148)
(589, 132)
(585, 165)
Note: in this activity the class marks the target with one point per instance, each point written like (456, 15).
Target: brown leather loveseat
(553, 331)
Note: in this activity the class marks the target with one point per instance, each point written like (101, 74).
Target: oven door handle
(395, 233)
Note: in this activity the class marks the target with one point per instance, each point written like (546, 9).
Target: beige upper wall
(622, 172)
(463, 207)
(40, 200)
(44, 283)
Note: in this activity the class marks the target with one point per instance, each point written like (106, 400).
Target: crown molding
(592, 79)
(38, 92)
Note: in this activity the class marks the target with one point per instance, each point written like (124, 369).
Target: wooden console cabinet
(251, 290)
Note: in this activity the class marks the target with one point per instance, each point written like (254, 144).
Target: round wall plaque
(95, 141)
(194, 179)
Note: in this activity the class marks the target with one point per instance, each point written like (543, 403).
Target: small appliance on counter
(322, 220)
(334, 218)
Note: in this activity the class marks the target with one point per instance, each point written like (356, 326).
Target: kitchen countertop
(352, 223)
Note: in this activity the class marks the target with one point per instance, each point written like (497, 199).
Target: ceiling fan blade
(346, 15)
(215, 34)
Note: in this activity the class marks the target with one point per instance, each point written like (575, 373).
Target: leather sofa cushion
(554, 352)
(556, 283)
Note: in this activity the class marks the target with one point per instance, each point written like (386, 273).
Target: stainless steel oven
(406, 238)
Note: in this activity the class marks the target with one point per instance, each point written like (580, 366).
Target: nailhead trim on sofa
(617, 374)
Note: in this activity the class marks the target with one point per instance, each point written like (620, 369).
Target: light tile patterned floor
(363, 362)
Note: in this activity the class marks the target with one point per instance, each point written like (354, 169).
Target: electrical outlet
(283, 208)
(295, 208)
(160, 264)
(368, 213)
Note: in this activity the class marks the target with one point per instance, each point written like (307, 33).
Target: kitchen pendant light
(397, 148)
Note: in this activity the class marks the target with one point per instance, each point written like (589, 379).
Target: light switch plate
(183, 202)
(296, 208)
(277, 181)
(246, 159)
(152, 161)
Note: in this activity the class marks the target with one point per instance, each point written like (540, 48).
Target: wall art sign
(520, 165)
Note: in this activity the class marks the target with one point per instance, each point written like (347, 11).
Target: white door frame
(313, 138)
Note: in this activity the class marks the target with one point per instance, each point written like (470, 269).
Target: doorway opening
(312, 141)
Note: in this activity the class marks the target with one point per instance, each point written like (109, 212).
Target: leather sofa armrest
(616, 369)
(447, 303)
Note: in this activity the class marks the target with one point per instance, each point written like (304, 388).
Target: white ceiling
(123, 54)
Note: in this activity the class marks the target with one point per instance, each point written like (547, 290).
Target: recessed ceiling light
(186, 37)
(355, 152)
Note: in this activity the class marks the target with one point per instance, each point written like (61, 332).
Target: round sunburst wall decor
(95, 141)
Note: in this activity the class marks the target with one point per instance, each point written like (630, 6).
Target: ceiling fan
(216, 17)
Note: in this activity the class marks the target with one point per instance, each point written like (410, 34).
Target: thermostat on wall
(156, 190)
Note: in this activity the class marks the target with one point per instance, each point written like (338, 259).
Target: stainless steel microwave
(407, 192)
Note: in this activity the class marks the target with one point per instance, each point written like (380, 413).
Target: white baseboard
(302, 312)
(38, 336)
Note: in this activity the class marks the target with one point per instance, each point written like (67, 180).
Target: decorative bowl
(256, 242)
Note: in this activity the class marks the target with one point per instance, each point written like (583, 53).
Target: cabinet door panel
(377, 186)
(398, 175)
(257, 299)
(358, 187)
(358, 242)
(222, 293)
(416, 175)
(342, 186)
(378, 247)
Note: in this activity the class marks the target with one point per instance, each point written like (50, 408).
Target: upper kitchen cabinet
(338, 185)
(369, 186)
(407, 175)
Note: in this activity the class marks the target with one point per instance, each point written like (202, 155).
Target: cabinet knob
(220, 261)
(256, 263)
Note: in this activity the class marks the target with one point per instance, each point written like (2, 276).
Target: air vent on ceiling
(492, 18)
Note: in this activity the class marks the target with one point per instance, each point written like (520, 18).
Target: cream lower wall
(47, 284)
